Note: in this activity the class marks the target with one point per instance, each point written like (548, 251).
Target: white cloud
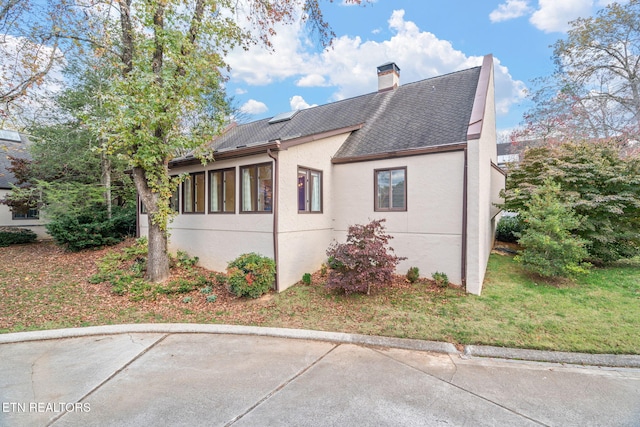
(350, 65)
(554, 16)
(311, 80)
(254, 107)
(510, 10)
(298, 103)
(240, 91)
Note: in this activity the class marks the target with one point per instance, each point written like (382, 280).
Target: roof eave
(401, 153)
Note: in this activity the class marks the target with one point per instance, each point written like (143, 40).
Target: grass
(42, 287)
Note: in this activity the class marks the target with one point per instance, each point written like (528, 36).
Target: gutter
(275, 214)
(401, 153)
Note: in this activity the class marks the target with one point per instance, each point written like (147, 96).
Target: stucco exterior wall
(481, 222)
(35, 225)
(429, 233)
(303, 238)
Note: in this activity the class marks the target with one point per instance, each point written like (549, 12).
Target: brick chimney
(388, 76)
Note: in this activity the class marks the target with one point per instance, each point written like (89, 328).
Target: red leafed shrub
(365, 260)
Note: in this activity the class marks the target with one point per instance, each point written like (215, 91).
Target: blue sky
(425, 38)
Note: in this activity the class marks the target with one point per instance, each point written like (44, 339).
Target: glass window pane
(302, 191)
(316, 191)
(383, 189)
(229, 191)
(187, 194)
(264, 188)
(173, 201)
(248, 188)
(215, 189)
(397, 189)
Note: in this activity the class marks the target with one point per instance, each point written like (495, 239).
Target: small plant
(251, 275)
(323, 269)
(206, 290)
(306, 278)
(183, 260)
(13, 236)
(219, 279)
(365, 260)
(186, 300)
(212, 298)
(441, 279)
(413, 274)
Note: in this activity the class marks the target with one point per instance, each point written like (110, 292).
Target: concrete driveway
(215, 375)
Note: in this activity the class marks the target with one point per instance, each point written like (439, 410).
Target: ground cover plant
(44, 287)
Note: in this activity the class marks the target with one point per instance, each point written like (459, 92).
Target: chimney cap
(389, 66)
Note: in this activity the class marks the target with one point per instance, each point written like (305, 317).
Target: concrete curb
(185, 328)
(609, 360)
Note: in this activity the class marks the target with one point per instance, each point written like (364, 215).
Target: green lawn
(42, 287)
(598, 314)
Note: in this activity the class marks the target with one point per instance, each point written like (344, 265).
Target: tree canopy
(598, 182)
(595, 90)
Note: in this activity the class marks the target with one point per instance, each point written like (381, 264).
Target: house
(420, 155)
(15, 144)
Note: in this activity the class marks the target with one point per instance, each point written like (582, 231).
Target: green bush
(13, 236)
(509, 229)
(92, 228)
(413, 274)
(550, 250)
(306, 278)
(441, 279)
(251, 275)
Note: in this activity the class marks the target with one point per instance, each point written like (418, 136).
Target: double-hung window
(256, 188)
(391, 189)
(222, 191)
(309, 190)
(193, 196)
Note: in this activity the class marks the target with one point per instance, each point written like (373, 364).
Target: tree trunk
(158, 256)
(106, 180)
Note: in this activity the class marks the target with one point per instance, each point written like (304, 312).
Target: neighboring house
(14, 144)
(420, 155)
(507, 153)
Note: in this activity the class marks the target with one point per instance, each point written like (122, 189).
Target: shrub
(13, 236)
(251, 275)
(413, 274)
(441, 279)
(92, 227)
(600, 184)
(509, 229)
(365, 260)
(306, 278)
(550, 250)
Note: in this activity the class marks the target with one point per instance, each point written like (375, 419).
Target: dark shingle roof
(14, 149)
(430, 112)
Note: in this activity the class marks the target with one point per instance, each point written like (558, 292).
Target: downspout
(275, 215)
(463, 269)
